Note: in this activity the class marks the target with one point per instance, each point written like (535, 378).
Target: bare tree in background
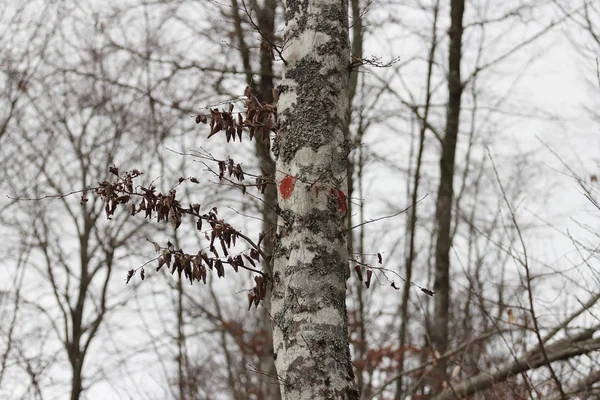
(73, 124)
(441, 318)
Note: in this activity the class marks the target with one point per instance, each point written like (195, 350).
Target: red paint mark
(286, 187)
(316, 191)
(341, 200)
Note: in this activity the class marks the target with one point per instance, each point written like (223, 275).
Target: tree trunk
(264, 93)
(310, 331)
(439, 334)
(361, 346)
(412, 224)
(266, 24)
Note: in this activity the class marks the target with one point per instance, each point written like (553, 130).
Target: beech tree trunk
(310, 333)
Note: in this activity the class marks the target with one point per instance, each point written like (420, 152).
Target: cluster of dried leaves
(258, 119)
(369, 268)
(165, 207)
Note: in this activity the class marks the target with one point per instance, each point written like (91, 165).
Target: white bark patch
(327, 315)
(288, 99)
(301, 255)
(303, 45)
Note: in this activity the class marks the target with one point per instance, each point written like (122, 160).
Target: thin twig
(525, 263)
(384, 217)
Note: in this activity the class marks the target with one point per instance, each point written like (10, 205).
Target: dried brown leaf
(511, 316)
(156, 246)
(220, 269)
(129, 275)
(455, 371)
(368, 281)
(250, 300)
(358, 272)
(251, 261)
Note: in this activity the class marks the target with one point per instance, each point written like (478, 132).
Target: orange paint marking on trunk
(341, 199)
(286, 187)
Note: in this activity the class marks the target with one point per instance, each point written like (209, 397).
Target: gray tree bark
(310, 333)
(439, 333)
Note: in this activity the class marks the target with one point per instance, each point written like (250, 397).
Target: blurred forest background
(85, 85)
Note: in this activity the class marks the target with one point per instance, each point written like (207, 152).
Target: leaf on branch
(379, 259)
(142, 274)
(511, 316)
(239, 173)
(216, 122)
(250, 300)
(428, 292)
(224, 247)
(194, 180)
(239, 261)
(251, 261)
(368, 281)
(156, 246)
(233, 263)
(260, 290)
(213, 250)
(455, 371)
(394, 285)
(358, 272)
(261, 236)
(220, 269)
(129, 275)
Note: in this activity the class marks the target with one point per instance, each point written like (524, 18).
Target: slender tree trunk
(181, 372)
(76, 384)
(266, 24)
(413, 211)
(439, 334)
(74, 345)
(357, 53)
(264, 93)
(310, 333)
(361, 346)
